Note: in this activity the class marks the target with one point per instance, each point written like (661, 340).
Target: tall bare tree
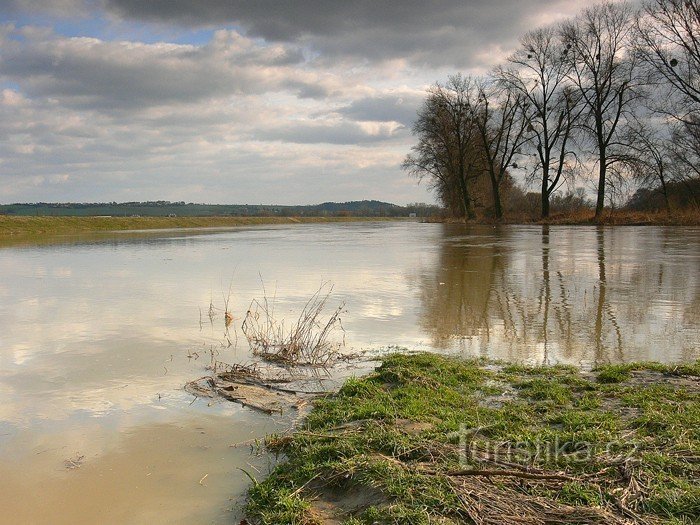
(668, 41)
(603, 72)
(501, 124)
(539, 71)
(447, 152)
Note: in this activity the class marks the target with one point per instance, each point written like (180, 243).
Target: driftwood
(245, 385)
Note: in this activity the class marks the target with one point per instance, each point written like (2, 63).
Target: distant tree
(648, 156)
(572, 201)
(603, 73)
(685, 159)
(538, 72)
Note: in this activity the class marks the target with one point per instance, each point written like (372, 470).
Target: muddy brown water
(99, 334)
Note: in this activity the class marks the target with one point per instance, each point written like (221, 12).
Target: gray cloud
(393, 107)
(435, 32)
(88, 72)
(454, 33)
(343, 132)
(54, 7)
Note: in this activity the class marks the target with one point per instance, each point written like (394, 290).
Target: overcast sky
(232, 101)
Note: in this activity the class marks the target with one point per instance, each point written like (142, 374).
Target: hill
(364, 208)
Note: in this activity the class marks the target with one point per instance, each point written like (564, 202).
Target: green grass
(623, 372)
(395, 434)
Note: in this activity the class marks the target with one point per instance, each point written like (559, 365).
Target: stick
(511, 473)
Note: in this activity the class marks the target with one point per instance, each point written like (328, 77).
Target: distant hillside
(366, 208)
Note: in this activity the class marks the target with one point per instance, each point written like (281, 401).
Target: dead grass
(628, 218)
(304, 342)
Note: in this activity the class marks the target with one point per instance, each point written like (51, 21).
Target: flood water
(98, 337)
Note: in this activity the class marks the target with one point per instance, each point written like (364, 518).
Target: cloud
(429, 33)
(391, 107)
(230, 100)
(54, 7)
(89, 72)
(432, 32)
(340, 132)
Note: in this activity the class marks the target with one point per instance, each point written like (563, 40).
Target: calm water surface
(97, 338)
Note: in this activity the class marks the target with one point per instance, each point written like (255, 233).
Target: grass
(430, 439)
(623, 372)
(26, 228)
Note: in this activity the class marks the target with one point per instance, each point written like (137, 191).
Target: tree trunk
(466, 200)
(665, 192)
(545, 205)
(496, 190)
(602, 172)
(545, 194)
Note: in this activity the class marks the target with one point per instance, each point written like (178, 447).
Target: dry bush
(305, 342)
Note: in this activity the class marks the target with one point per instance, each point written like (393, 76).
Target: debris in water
(74, 463)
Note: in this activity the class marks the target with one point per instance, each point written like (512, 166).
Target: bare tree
(648, 156)
(539, 73)
(685, 155)
(603, 72)
(668, 41)
(446, 150)
(501, 124)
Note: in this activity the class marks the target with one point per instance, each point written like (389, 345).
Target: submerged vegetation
(290, 354)
(432, 439)
(304, 342)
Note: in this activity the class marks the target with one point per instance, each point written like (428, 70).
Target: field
(27, 227)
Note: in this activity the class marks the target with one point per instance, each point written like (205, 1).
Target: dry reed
(305, 342)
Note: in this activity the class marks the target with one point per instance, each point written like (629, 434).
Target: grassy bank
(26, 226)
(429, 439)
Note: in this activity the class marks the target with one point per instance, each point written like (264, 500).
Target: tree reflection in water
(547, 294)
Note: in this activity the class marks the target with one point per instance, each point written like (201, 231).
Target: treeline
(608, 100)
(365, 208)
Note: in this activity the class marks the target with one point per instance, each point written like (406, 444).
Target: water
(98, 336)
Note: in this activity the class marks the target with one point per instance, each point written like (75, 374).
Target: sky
(233, 101)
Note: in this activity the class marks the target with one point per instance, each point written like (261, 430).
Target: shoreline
(433, 439)
(29, 229)
(609, 218)
(25, 228)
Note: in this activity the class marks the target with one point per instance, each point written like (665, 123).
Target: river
(99, 334)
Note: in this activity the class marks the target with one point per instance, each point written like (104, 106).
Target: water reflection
(549, 294)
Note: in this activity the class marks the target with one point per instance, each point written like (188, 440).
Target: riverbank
(628, 218)
(27, 227)
(430, 439)
(587, 218)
